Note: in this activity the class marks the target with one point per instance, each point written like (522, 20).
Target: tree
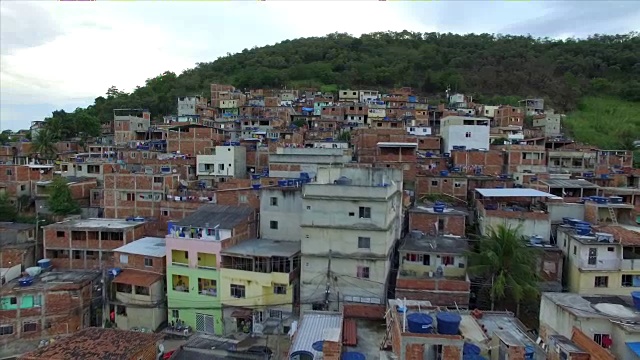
(8, 212)
(507, 264)
(60, 200)
(45, 143)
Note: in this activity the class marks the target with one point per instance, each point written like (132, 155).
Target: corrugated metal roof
(147, 246)
(515, 192)
(225, 215)
(569, 183)
(311, 329)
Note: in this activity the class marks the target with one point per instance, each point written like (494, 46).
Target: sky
(62, 55)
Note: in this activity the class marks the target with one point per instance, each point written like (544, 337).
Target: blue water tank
(566, 220)
(420, 323)
(304, 175)
(25, 281)
(444, 173)
(438, 208)
(352, 355)
(282, 182)
(317, 346)
(529, 352)
(615, 199)
(635, 295)
(583, 231)
(470, 349)
(448, 323)
(289, 182)
(170, 226)
(256, 186)
(44, 263)
(255, 176)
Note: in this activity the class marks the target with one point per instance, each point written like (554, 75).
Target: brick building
(20, 180)
(17, 244)
(98, 343)
(88, 243)
(55, 303)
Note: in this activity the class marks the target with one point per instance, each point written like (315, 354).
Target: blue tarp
(307, 109)
(635, 347)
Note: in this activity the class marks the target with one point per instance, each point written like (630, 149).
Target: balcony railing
(177, 263)
(630, 264)
(607, 264)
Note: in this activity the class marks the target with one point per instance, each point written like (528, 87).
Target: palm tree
(507, 263)
(45, 143)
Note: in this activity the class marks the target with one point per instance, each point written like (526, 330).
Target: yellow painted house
(259, 284)
(606, 262)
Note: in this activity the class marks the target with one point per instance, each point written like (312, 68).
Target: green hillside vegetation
(492, 68)
(606, 123)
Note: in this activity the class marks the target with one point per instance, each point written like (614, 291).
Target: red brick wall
(135, 261)
(453, 224)
(13, 256)
(364, 311)
(441, 185)
(591, 212)
(490, 161)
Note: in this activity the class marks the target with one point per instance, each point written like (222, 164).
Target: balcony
(207, 261)
(630, 264)
(179, 258)
(207, 287)
(180, 283)
(599, 265)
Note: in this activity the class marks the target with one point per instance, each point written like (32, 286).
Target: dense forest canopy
(493, 68)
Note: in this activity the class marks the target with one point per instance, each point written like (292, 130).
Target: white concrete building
(225, 162)
(472, 132)
(351, 219)
(290, 162)
(610, 321)
(280, 213)
(488, 111)
(187, 104)
(348, 95)
(551, 124)
(368, 95)
(419, 130)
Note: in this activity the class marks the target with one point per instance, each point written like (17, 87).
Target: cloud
(19, 31)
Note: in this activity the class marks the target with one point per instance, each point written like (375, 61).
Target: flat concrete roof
(147, 246)
(95, 223)
(596, 306)
(514, 192)
(434, 244)
(264, 248)
(397, 144)
(569, 183)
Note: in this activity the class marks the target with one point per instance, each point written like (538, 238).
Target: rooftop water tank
(635, 295)
(289, 182)
(535, 239)
(420, 323)
(583, 231)
(44, 263)
(529, 352)
(282, 182)
(343, 180)
(256, 186)
(352, 355)
(25, 281)
(444, 173)
(448, 323)
(317, 346)
(438, 208)
(615, 199)
(470, 349)
(255, 176)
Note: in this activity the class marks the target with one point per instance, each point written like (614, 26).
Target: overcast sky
(64, 54)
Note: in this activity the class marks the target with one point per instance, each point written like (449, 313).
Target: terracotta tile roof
(96, 344)
(137, 278)
(624, 236)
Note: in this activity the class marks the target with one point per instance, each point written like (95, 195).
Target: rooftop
(137, 278)
(4, 225)
(434, 244)
(264, 247)
(96, 344)
(147, 246)
(626, 234)
(428, 209)
(211, 215)
(96, 224)
(315, 326)
(513, 192)
(55, 281)
(569, 183)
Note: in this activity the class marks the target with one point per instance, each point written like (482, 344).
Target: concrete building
(259, 284)
(348, 95)
(281, 212)
(193, 262)
(225, 162)
(463, 131)
(137, 296)
(290, 162)
(187, 104)
(351, 221)
(88, 243)
(55, 303)
(17, 244)
(366, 96)
(604, 325)
(550, 124)
(130, 125)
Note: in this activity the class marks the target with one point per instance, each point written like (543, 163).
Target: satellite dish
(174, 171)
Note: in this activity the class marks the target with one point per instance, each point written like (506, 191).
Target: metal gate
(205, 323)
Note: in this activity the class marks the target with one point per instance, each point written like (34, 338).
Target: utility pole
(492, 299)
(326, 293)
(105, 308)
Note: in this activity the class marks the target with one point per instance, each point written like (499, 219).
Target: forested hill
(486, 66)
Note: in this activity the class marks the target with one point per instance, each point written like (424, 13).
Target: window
(565, 242)
(364, 242)
(365, 212)
(124, 259)
(434, 182)
(352, 214)
(593, 256)
(273, 225)
(238, 291)
(175, 314)
(467, 134)
(6, 330)
(363, 272)
(220, 167)
(447, 260)
(275, 314)
(9, 172)
(142, 290)
(157, 180)
(165, 212)
(280, 289)
(59, 234)
(611, 249)
(148, 262)
(457, 184)
(574, 250)
(29, 326)
(413, 257)
(242, 199)
(22, 187)
(603, 340)
(124, 288)
(601, 281)
(274, 201)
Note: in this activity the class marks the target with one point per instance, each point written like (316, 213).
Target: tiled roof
(96, 344)
(137, 278)
(624, 236)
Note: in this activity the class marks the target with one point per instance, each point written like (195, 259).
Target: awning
(137, 278)
(635, 347)
(241, 313)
